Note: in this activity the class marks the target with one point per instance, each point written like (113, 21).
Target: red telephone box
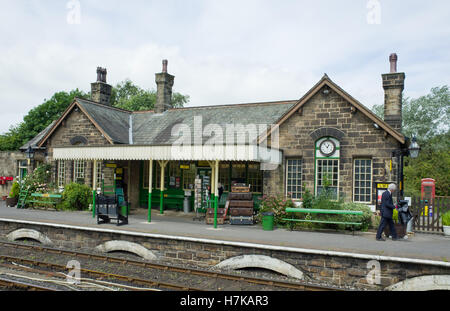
(428, 191)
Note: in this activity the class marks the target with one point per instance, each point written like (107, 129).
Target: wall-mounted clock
(327, 147)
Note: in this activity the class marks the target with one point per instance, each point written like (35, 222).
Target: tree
(37, 119)
(426, 116)
(433, 162)
(125, 95)
(129, 96)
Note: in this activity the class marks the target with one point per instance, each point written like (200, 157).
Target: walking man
(387, 209)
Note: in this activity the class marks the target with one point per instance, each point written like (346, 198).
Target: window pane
(362, 176)
(294, 178)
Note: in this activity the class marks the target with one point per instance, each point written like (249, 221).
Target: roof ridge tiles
(279, 102)
(102, 105)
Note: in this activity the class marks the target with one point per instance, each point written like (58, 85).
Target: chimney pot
(393, 85)
(164, 63)
(393, 60)
(164, 84)
(100, 90)
(99, 74)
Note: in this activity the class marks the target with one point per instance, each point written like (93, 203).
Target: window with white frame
(61, 173)
(362, 180)
(294, 178)
(78, 169)
(328, 176)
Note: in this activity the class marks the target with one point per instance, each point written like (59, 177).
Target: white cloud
(220, 52)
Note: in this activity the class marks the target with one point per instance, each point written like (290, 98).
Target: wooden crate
(240, 189)
(241, 211)
(241, 196)
(210, 221)
(235, 203)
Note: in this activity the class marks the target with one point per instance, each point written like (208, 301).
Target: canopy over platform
(252, 153)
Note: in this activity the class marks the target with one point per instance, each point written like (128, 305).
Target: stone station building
(325, 137)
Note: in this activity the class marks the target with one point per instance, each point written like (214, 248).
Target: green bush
(76, 197)
(446, 219)
(395, 215)
(14, 193)
(308, 199)
(275, 204)
(39, 180)
(365, 219)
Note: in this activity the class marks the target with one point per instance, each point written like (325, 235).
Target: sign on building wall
(381, 187)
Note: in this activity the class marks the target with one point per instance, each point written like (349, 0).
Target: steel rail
(101, 274)
(8, 283)
(192, 271)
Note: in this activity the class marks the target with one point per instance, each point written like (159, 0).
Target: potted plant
(446, 223)
(13, 195)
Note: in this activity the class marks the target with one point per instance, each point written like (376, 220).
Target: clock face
(327, 147)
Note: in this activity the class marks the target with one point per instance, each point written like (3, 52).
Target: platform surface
(420, 246)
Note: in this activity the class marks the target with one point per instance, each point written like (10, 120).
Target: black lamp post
(30, 154)
(413, 152)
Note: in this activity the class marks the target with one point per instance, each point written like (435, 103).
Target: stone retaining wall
(334, 269)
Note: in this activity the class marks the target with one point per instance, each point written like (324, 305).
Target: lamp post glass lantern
(414, 148)
(29, 153)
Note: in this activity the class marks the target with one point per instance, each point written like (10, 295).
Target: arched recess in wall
(29, 234)
(78, 141)
(423, 283)
(327, 131)
(260, 261)
(125, 246)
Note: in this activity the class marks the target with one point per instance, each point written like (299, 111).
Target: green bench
(173, 199)
(44, 198)
(322, 212)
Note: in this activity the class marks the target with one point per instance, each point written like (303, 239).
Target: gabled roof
(156, 129)
(326, 81)
(150, 128)
(112, 122)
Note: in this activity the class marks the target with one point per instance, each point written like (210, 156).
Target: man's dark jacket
(387, 206)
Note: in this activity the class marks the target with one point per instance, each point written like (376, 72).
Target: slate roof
(149, 128)
(35, 140)
(113, 121)
(156, 129)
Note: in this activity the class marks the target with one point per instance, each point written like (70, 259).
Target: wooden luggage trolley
(240, 203)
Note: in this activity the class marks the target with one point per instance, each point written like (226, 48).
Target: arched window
(327, 155)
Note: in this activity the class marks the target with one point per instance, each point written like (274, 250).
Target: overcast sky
(221, 52)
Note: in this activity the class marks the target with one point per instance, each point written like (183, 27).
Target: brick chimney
(100, 90)
(164, 82)
(393, 85)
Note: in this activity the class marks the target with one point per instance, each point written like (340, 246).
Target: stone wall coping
(241, 244)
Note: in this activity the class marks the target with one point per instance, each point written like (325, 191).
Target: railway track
(97, 275)
(150, 265)
(9, 284)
